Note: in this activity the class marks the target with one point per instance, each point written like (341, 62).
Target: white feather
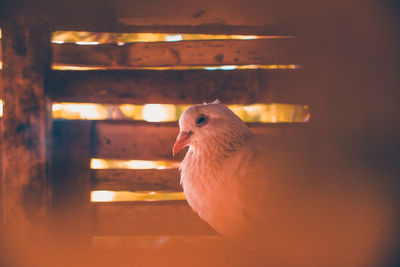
(257, 190)
(216, 173)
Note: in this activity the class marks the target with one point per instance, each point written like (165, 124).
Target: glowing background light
(158, 113)
(56, 66)
(114, 38)
(87, 43)
(265, 113)
(96, 163)
(101, 196)
(173, 37)
(124, 196)
(210, 68)
(79, 111)
(247, 37)
(228, 67)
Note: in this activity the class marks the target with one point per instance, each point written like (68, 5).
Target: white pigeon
(230, 175)
(267, 192)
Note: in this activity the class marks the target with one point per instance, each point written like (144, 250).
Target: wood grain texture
(169, 218)
(178, 87)
(129, 140)
(156, 15)
(1, 181)
(72, 179)
(26, 62)
(179, 12)
(154, 141)
(184, 53)
(136, 180)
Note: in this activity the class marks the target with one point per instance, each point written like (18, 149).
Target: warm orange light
(79, 111)
(87, 43)
(56, 66)
(1, 108)
(196, 67)
(124, 196)
(265, 113)
(158, 113)
(89, 38)
(101, 196)
(96, 163)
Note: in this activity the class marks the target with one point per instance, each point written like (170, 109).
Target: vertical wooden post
(1, 180)
(25, 190)
(71, 181)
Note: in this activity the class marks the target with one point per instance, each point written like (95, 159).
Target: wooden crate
(350, 81)
(125, 76)
(126, 140)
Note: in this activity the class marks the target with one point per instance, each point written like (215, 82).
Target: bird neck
(222, 146)
(204, 161)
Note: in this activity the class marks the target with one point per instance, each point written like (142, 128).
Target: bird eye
(201, 120)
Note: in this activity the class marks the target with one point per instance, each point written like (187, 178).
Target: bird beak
(181, 142)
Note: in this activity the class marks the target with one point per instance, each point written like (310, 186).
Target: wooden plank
(136, 180)
(184, 53)
(1, 182)
(155, 16)
(1, 149)
(179, 12)
(71, 179)
(177, 87)
(145, 141)
(212, 28)
(26, 62)
(154, 141)
(173, 218)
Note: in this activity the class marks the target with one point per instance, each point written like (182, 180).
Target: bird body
(267, 192)
(213, 192)
(228, 171)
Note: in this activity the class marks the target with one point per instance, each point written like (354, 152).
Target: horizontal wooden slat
(128, 140)
(179, 12)
(177, 87)
(155, 15)
(153, 141)
(172, 218)
(185, 53)
(136, 180)
(211, 28)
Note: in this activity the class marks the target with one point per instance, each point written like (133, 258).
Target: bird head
(207, 125)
